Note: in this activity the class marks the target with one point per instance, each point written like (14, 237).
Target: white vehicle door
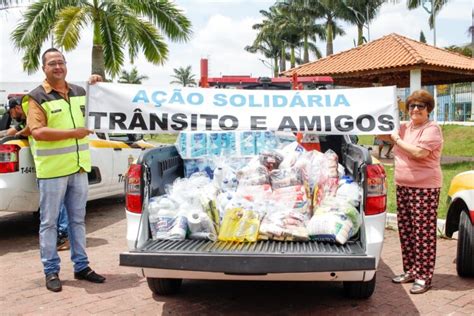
(101, 175)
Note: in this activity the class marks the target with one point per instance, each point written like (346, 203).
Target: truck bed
(163, 165)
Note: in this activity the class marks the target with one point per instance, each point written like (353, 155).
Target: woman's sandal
(403, 278)
(419, 287)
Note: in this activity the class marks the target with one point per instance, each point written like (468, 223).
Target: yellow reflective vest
(61, 158)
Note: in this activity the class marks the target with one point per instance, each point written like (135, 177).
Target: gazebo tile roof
(389, 52)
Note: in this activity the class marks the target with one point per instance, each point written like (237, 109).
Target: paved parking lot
(22, 289)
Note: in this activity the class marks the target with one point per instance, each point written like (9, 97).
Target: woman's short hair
(421, 96)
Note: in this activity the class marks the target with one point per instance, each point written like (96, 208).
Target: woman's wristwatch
(397, 139)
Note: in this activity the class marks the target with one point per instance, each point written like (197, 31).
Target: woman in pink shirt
(418, 179)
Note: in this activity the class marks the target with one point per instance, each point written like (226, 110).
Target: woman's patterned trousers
(417, 218)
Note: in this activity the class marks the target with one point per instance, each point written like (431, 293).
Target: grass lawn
(458, 141)
(162, 138)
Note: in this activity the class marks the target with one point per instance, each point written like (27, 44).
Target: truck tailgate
(249, 258)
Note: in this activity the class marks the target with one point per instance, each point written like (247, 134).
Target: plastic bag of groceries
(349, 191)
(325, 171)
(292, 197)
(207, 222)
(270, 159)
(201, 225)
(253, 175)
(334, 220)
(187, 190)
(225, 178)
(165, 218)
(280, 178)
(291, 153)
(254, 192)
(282, 223)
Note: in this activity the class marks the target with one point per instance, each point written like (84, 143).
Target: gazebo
(391, 60)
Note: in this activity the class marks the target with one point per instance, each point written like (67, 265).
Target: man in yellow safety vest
(55, 118)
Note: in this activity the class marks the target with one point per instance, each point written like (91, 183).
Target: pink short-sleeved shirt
(425, 172)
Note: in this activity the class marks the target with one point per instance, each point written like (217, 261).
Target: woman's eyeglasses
(417, 105)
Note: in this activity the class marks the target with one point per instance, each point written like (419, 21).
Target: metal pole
(367, 21)
(434, 22)
(472, 51)
(435, 90)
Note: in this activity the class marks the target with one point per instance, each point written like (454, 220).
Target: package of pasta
(284, 224)
(253, 175)
(270, 159)
(255, 192)
(281, 178)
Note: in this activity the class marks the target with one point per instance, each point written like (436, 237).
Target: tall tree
(268, 40)
(437, 5)
(134, 24)
(330, 11)
(300, 19)
(269, 48)
(132, 77)
(360, 13)
(289, 29)
(184, 77)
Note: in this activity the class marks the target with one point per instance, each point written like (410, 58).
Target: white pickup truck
(111, 155)
(166, 262)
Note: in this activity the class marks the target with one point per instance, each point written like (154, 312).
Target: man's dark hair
(13, 102)
(51, 50)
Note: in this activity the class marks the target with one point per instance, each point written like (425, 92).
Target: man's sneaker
(53, 283)
(63, 243)
(89, 275)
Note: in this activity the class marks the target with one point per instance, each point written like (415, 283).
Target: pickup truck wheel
(161, 286)
(359, 289)
(465, 251)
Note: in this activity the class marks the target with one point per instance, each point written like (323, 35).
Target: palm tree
(268, 40)
(290, 34)
(360, 13)
(330, 11)
(437, 5)
(269, 48)
(116, 25)
(184, 77)
(132, 76)
(298, 27)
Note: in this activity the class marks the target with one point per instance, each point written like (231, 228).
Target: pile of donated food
(249, 186)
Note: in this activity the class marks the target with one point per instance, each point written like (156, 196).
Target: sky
(221, 30)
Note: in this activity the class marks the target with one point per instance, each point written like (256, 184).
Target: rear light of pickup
(9, 160)
(376, 200)
(133, 196)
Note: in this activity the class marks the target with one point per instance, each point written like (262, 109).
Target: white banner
(145, 109)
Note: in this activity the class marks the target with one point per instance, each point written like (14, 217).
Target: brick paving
(22, 289)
